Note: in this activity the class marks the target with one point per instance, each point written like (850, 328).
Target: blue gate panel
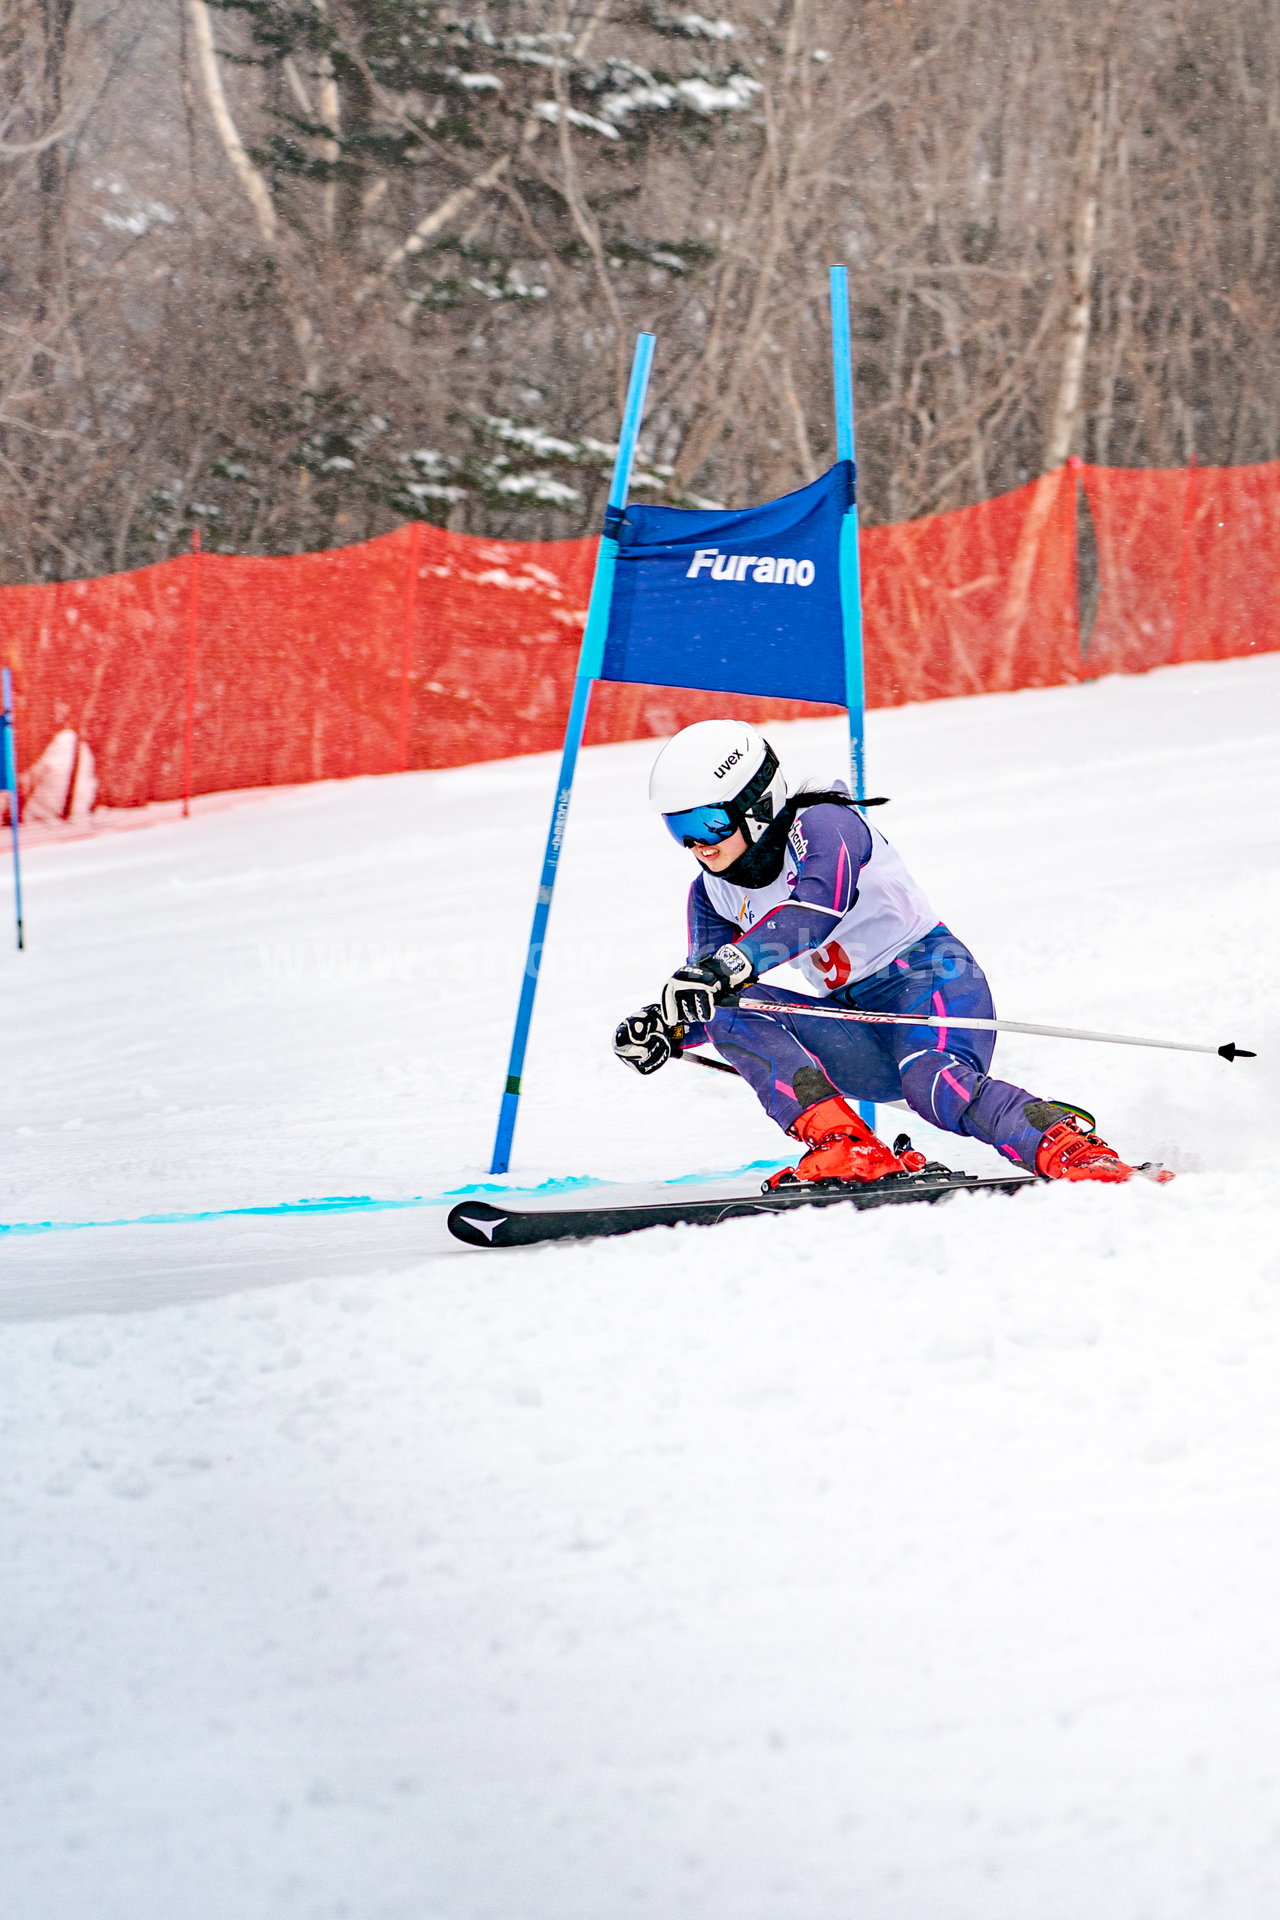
(745, 602)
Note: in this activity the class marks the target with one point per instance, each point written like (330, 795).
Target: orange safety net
(1188, 564)
(419, 649)
(431, 649)
(978, 601)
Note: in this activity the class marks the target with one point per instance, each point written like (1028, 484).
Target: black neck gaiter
(761, 864)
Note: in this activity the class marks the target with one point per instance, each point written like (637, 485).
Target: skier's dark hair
(827, 797)
(761, 864)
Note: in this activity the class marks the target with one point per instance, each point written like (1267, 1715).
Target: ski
(481, 1224)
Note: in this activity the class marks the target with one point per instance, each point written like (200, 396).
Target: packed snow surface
(913, 1565)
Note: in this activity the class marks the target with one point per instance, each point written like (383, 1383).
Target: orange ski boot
(840, 1147)
(1070, 1150)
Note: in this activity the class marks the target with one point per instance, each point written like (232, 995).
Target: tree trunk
(1075, 342)
(51, 163)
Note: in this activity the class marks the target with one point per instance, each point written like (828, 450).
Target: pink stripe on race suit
(1012, 1155)
(954, 1084)
(780, 1086)
(939, 1007)
(842, 867)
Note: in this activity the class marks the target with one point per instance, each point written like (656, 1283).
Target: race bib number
(833, 963)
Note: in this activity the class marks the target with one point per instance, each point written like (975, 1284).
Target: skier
(807, 879)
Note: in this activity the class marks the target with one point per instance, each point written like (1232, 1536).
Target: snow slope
(918, 1566)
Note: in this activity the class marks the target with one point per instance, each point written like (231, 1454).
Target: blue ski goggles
(700, 826)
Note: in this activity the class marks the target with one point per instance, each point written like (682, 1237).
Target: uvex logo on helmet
(725, 765)
(765, 569)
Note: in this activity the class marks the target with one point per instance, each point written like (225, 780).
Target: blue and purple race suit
(846, 910)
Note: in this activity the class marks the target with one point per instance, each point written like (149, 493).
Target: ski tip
(1232, 1052)
(475, 1222)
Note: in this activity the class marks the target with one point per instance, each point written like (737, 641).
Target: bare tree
(294, 270)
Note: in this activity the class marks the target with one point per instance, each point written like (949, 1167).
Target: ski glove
(644, 1041)
(690, 995)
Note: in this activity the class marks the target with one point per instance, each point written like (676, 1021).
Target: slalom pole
(818, 1012)
(705, 1060)
(590, 661)
(850, 566)
(10, 772)
(849, 563)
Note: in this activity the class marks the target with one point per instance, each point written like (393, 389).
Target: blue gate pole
(590, 661)
(10, 773)
(850, 572)
(850, 566)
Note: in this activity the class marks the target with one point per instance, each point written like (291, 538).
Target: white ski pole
(818, 1012)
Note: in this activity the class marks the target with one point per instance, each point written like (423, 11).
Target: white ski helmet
(715, 777)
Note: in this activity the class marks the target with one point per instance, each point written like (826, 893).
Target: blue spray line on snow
(364, 1203)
